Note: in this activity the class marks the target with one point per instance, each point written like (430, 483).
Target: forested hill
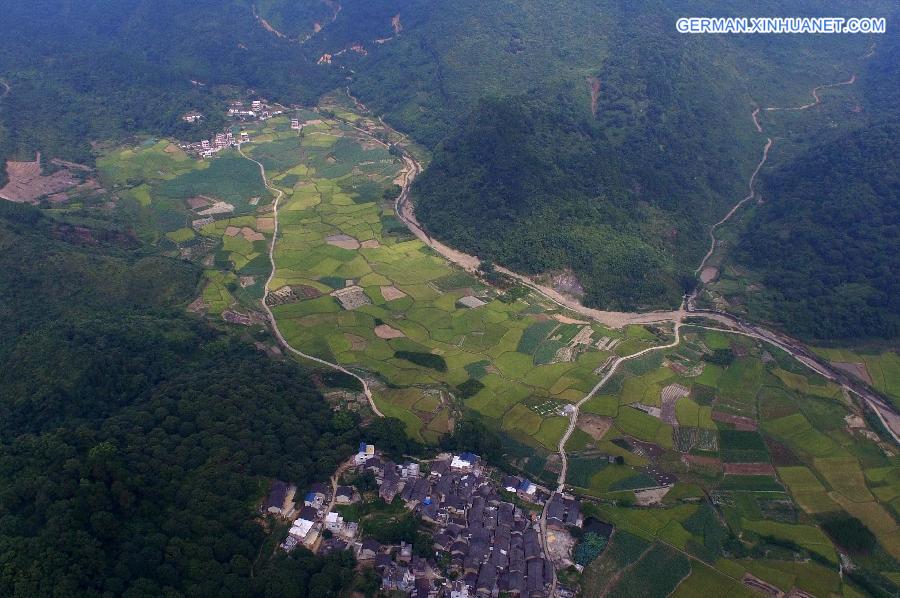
(536, 186)
(620, 186)
(828, 239)
(92, 71)
(134, 441)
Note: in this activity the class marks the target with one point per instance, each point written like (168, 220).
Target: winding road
(279, 194)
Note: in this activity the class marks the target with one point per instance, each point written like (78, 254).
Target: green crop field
(353, 287)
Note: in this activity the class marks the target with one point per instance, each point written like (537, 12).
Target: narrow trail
(279, 194)
(815, 95)
(752, 192)
(573, 416)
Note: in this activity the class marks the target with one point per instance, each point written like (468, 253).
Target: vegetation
(837, 209)
(150, 436)
(589, 547)
(427, 360)
(849, 533)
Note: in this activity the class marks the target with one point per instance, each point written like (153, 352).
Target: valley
(622, 408)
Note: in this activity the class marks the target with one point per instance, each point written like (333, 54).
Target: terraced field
(753, 447)
(353, 287)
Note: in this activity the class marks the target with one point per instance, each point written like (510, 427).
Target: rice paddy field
(735, 465)
(782, 452)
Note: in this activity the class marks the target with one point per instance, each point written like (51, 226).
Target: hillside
(827, 238)
(136, 441)
(626, 139)
(638, 137)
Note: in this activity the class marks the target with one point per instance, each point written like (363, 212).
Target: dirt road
(279, 194)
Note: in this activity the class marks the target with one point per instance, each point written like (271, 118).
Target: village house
(334, 522)
(344, 495)
(368, 548)
(191, 117)
(279, 500)
(463, 461)
(316, 496)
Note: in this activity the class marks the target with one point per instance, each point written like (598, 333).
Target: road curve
(573, 415)
(274, 324)
(737, 206)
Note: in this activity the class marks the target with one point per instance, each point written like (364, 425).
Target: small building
(192, 117)
(295, 124)
(301, 528)
(316, 496)
(344, 495)
(334, 522)
(463, 461)
(410, 470)
(280, 494)
(368, 549)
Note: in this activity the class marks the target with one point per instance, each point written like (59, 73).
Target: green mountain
(585, 135)
(826, 239)
(135, 441)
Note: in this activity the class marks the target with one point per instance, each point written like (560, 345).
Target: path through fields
(278, 195)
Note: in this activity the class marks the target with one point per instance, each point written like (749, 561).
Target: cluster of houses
(231, 137)
(486, 536)
(207, 148)
(316, 516)
(258, 110)
(487, 544)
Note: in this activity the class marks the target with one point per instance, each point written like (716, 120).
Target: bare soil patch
(749, 469)
(708, 274)
(220, 207)
(386, 332)
(567, 320)
(390, 293)
(266, 225)
(342, 241)
(232, 231)
(198, 202)
(702, 461)
(197, 305)
(251, 235)
(595, 425)
(566, 282)
(357, 343)
(857, 369)
(739, 422)
(651, 496)
(370, 244)
(760, 586)
(26, 184)
(351, 297)
(668, 398)
(594, 86)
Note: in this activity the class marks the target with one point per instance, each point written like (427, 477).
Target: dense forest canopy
(827, 239)
(135, 442)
